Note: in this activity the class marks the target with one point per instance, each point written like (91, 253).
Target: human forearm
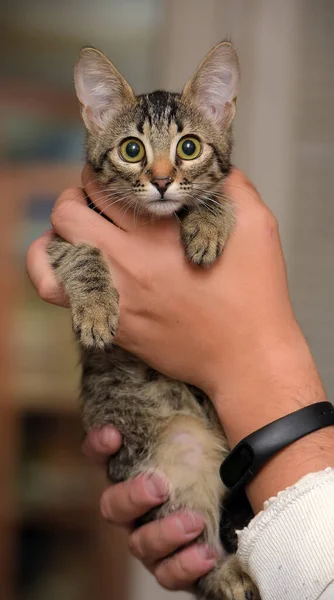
(278, 378)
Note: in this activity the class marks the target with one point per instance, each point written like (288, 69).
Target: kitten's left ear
(214, 85)
(101, 89)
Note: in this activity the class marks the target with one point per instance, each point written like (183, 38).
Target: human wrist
(275, 377)
(280, 381)
(310, 454)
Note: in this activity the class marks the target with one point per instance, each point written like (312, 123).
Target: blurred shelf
(43, 177)
(51, 405)
(50, 524)
(61, 518)
(42, 99)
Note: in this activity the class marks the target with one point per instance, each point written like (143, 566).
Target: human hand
(153, 543)
(230, 329)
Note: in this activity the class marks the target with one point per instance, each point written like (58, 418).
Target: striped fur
(167, 426)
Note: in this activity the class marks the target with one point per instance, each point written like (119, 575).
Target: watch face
(236, 465)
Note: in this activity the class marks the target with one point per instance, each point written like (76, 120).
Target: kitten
(170, 154)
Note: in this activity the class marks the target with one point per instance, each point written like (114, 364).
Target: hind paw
(229, 582)
(240, 586)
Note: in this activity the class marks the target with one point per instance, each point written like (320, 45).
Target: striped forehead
(159, 119)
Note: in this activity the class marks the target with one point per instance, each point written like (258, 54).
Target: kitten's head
(159, 152)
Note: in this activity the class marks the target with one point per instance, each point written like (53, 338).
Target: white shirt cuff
(288, 548)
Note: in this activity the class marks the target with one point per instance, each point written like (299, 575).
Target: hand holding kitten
(245, 308)
(204, 326)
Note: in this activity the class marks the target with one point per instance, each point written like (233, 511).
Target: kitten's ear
(214, 85)
(101, 89)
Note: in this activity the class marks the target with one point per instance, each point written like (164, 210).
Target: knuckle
(47, 289)
(145, 278)
(31, 253)
(62, 202)
(269, 220)
(164, 577)
(174, 573)
(183, 568)
(264, 220)
(106, 508)
(137, 547)
(136, 492)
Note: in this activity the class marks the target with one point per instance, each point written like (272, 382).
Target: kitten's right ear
(101, 89)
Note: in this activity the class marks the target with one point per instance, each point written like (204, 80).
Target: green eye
(132, 150)
(189, 148)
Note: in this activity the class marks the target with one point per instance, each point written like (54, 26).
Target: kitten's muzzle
(162, 183)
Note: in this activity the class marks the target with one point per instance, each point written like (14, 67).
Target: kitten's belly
(120, 389)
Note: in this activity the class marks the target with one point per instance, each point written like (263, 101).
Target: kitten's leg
(94, 300)
(189, 453)
(205, 233)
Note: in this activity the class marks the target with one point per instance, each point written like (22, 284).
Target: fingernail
(190, 523)
(157, 486)
(207, 552)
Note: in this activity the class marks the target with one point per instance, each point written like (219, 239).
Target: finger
(184, 568)
(41, 273)
(150, 543)
(112, 202)
(74, 221)
(100, 444)
(125, 502)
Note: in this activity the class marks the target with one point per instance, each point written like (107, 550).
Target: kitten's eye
(189, 148)
(132, 150)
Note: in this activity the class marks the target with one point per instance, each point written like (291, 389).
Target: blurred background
(53, 544)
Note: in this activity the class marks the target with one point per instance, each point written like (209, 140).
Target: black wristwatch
(247, 458)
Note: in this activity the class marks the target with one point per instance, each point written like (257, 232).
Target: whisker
(220, 207)
(236, 187)
(85, 197)
(215, 193)
(115, 202)
(134, 212)
(103, 198)
(224, 202)
(215, 208)
(210, 209)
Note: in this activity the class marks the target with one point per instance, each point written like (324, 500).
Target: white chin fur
(163, 208)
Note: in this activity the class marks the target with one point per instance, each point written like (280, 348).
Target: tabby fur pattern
(167, 426)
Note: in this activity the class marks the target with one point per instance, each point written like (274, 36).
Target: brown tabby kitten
(166, 153)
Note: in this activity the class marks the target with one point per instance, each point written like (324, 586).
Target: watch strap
(247, 458)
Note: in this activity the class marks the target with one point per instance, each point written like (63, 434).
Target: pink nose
(161, 183)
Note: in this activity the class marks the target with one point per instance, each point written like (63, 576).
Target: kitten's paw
(228, 582)
(95, 325)
(244, 590)
(237, 584)
(203, 240)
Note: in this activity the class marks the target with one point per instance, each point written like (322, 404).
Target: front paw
(95, 324)
(203, 239)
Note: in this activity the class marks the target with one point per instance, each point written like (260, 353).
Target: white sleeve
(288, 548)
